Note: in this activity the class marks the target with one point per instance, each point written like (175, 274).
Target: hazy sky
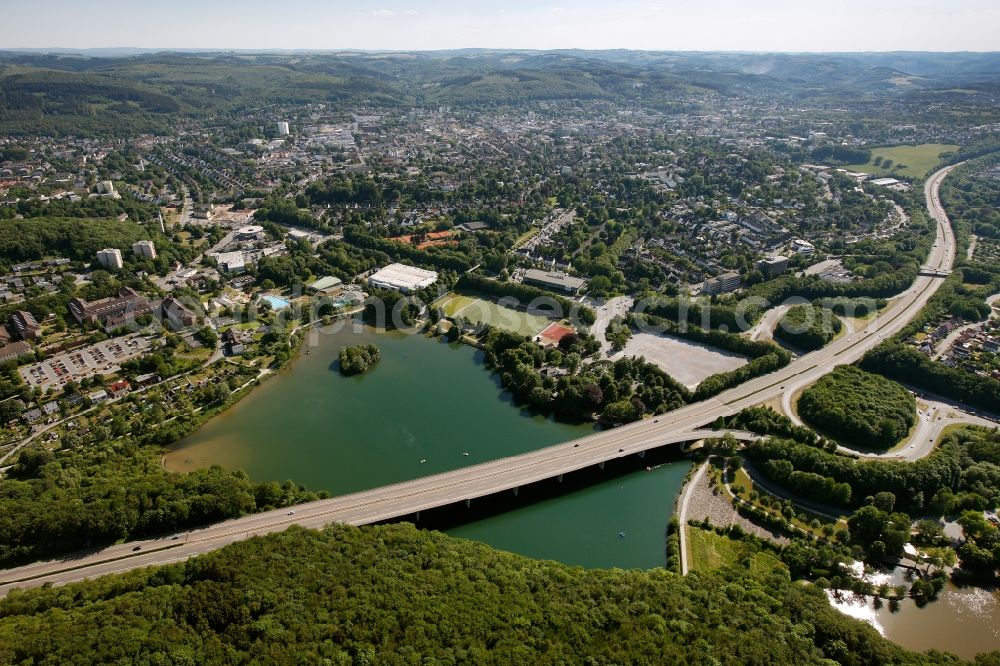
(735, 25)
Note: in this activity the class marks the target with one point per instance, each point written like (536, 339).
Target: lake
(429, 401)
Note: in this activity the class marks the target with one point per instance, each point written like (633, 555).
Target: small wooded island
(358, 359)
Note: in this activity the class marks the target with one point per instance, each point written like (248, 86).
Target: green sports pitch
(486, 312)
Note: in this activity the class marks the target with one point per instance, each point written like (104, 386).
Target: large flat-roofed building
(773, 266)
(400, 277)
(327, 285)
(231, 262)
(250, 232)
(722, 284)
(555, 280)
(23, 326)
(110, 258)
(803, 246)
(112, 312)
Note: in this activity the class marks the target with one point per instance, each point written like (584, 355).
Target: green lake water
(428, 401)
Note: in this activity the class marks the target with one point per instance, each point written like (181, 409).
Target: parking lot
(104, 357)
(687, 362)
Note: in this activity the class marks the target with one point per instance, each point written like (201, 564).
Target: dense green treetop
(358, 359)
(396, 595)
(859, 408)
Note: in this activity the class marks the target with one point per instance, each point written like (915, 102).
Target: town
(617, 310)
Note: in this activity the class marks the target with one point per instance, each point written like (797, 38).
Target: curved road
(402, 499)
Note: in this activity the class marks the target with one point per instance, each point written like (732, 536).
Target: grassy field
(487, 312)
(710, 551)
(452, 303)
(914, 161)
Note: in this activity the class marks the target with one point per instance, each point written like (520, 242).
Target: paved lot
(687, 362)
(103, 357)
(705, 502)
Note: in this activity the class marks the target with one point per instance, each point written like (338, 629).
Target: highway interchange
(506, 474)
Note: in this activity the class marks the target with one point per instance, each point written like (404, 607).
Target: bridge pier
(600, 465)
(468, 504)
(516, 489)
(560, 478)
(417, 517)
(642, 454)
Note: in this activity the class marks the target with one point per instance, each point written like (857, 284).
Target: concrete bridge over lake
(397, 501)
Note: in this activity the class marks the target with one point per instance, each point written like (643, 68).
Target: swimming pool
(276, 302)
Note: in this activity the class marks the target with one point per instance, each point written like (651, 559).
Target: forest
(960, 479)
(972, 193)
(807, 327)
(79, 239)
(55, 502)
(396, 595)
(617, 392)
(906, 364)
(859, 408)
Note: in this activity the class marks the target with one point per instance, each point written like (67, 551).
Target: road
(407, 498)
(765, 326)
(618, 306)
(370, 506)
(682, 516)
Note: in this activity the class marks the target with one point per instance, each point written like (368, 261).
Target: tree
(885, 501)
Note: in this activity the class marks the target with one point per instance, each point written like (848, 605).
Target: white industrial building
(803, 246)
(400, 277)
(144, 249)
(231, 262)
(282, 129)
(250, 232)
(110, 258)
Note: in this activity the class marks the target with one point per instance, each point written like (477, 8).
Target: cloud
(411, 12)
(377, 12)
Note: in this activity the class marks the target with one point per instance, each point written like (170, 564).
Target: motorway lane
(765, 326)
(357, 509)
(504, 474)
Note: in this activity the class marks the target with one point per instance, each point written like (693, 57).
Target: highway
(362, 508)
(505, 474)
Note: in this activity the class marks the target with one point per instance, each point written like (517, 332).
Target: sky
(667, 25)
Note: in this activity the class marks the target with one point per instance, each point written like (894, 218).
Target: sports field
(913, 161)
(486, 312)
